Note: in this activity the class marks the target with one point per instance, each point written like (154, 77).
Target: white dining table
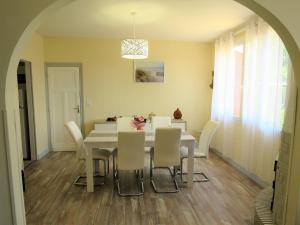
(100, 139)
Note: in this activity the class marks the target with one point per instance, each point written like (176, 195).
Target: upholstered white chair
(166, 154)
(160, 121)
(202, 151)
(124, 124)
(130, 157)
(98, 154)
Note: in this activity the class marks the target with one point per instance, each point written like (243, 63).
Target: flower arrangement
(138, 122)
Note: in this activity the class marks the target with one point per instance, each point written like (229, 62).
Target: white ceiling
(193, 20)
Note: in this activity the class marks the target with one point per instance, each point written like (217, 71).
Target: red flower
(138, 122)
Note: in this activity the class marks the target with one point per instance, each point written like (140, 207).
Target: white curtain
(223, 92)
(252, 142)
(262, 99)
(291, 102)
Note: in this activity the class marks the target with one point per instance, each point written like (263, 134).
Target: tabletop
(100, 136)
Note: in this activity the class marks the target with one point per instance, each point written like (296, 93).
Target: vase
(177, 114)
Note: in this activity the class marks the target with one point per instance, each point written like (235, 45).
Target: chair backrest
(167, 147)
(160, 122)
(130, 155)
(206, 136)
(124, 124)
(77, 137)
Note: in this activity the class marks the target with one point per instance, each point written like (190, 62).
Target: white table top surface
(99, 136)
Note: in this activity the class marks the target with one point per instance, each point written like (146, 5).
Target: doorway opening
(26, 112)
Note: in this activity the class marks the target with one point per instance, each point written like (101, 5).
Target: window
(238, 73)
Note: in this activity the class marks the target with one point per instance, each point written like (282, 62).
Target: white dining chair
(202, 150)
(166, 154)
(125, 124)
(130, 157)
(161, 121)
(98, 154)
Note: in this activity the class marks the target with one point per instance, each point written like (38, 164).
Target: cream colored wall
(34, 52)
(19, 15)
(109, 88)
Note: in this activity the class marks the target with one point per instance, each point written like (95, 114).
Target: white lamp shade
(134, 49)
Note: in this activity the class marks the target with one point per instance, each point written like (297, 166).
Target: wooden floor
(51, 198)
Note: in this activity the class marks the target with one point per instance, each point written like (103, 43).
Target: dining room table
(109, 139)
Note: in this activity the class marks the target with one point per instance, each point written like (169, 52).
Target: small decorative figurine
(177, 114)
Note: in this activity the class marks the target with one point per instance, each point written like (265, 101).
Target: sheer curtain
(254, 141)
(223, 92)
(262, 98)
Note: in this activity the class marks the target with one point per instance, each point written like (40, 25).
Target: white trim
(42, 154)
(14, 166)
(62, 148)
(238, 167)
(6, 184)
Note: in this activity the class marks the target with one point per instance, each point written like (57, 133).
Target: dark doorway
(26, 112)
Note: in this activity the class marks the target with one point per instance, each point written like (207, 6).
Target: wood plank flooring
(52, 199)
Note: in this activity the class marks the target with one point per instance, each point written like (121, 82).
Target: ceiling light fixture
(134, 48)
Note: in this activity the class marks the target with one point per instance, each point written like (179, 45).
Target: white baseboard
(42, 154)
(63, 149)
(241, 169)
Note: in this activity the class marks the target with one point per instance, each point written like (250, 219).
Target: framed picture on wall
(149, 71)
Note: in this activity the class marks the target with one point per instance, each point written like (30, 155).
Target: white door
(64, 104)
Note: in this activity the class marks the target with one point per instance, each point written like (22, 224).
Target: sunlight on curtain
(253, 139)
(223, 78)
(223, 94)
(263, 85)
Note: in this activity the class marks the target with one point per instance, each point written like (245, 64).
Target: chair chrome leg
(104, 167)
(151, 164)
(142, 181)
(114, 167)
(137, 174)
(181, 168)
(83, 183)
(107, 166)
(173, 179)
(204, 179)
(140, 178)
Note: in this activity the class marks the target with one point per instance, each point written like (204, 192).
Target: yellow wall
(34, 52)
(19, 17)
(109, 88)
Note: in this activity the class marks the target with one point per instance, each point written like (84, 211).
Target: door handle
(77, 108)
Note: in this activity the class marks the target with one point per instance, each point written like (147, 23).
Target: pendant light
(134, 48)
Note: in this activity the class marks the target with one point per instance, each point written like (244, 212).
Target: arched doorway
(12, 43)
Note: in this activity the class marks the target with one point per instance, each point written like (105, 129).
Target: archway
(13, 41)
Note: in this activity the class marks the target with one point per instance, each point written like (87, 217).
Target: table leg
(190, 146)
(89, 170)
